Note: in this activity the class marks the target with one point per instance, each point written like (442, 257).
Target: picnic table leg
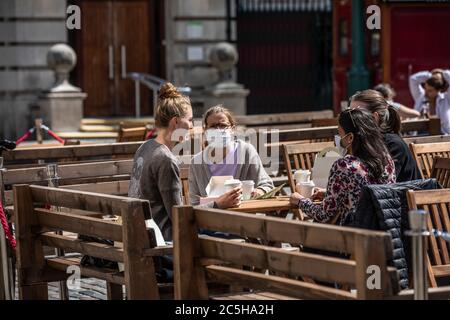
(114, 291)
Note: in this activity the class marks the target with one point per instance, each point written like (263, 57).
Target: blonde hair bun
(168, 91)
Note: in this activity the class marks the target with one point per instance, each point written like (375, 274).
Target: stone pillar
(28, 28)
(61, 107)
(226, 91)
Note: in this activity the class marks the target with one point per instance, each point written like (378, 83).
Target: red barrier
(5, 225)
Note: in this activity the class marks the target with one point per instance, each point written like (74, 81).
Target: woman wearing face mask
(224, 156)
(366, 161)
(156, 174)
(389, 122)
(431, 94)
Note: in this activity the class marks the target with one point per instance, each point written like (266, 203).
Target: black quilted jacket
(385, 207)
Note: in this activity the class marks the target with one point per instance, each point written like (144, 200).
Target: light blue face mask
(338, 143)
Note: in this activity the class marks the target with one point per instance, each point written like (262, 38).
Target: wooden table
(264, 206)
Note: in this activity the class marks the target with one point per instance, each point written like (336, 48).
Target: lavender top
(227, 167)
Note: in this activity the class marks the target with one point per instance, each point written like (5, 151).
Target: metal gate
(285, 54)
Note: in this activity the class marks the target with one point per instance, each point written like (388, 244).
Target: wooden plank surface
(319, 267)
(95, 202)
(140, 277)
(263, 206)
(93, 249)
(30, 255)
(70, 171)
(73, 151)
(79, 224)
(283, 286)
(189, 279)
(312, 235)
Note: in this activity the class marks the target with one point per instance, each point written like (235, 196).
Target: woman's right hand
(230, 199)
(319, 194)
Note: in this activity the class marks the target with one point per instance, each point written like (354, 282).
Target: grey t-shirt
(156, 177)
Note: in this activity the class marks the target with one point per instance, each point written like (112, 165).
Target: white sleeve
(446, 74)
(415, 82)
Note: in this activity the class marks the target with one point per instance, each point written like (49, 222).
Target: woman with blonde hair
(156, 174)
(225, 156)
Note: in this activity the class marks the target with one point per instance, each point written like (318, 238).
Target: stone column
(61, 107)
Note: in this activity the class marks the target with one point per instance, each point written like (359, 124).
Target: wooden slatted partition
(301, 156)
(424, 155)
(441, 171)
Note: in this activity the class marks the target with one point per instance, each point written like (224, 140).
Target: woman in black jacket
(389, 122)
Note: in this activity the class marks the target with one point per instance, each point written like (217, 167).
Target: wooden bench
(437, 204)
(441, 171)
(281, 119)
(426, 139)
(35, 227)
(425, 153)
(198, 257)
(70, 174)
(120, 188)
(82, 153)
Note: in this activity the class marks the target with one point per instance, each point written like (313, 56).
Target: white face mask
(218, 138)
(338, 143)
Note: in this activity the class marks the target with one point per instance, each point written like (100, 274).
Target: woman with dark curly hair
(366, 161)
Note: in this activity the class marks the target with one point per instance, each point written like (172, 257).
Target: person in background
(431, 94)
(224, 156)
(156, 175)
(389, 122)
(389, 94)
(366, 161)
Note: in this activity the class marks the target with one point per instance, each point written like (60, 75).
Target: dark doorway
(285, 54)
(116, 37)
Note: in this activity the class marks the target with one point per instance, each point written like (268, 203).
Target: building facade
(295, 55)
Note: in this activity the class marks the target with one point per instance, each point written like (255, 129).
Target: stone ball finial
(223, 56)
(62, 59)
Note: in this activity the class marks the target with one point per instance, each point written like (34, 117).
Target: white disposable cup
(302, 176)
(247, 189)
(231, 184)
(306, 189)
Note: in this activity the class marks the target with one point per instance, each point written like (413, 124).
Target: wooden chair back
(425, 153)
(437, 204)
(441, 171)
(301, 156)
(36, 226)
(199, 257)
(132, 134)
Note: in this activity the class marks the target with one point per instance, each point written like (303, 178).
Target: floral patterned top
(347, 178)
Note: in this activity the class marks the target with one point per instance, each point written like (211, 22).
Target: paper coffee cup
(247, 189)
(306, 189)
(302, 176)
(231, 184)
